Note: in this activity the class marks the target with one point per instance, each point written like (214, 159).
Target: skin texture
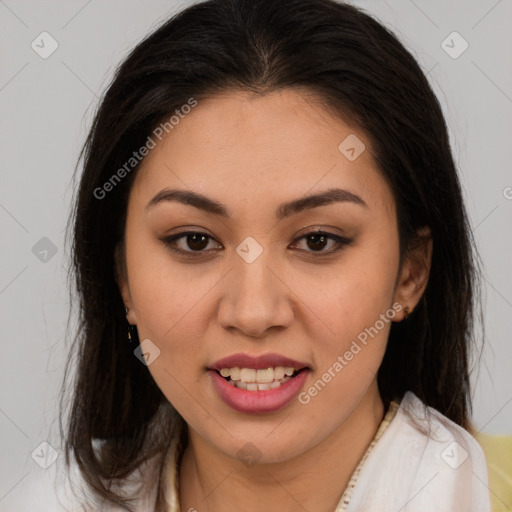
(253, 153)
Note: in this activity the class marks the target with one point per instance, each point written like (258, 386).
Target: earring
(407, 312)
(131, 328)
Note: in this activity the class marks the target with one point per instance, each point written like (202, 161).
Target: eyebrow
(202, 202)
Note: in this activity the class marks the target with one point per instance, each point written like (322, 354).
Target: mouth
(251, 379)
(258, 384)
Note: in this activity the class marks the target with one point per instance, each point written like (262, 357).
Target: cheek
(354, 302)
(170, 312)
(357, 290)
(347, 359)
(169, 300)
(165, 292)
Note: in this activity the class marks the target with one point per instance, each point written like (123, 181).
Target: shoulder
(424, 462)
(450, 469)
(444, 444)
(429, 424)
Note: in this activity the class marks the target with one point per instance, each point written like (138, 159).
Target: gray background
(46, 106)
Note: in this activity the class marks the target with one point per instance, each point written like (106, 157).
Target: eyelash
(342, 241)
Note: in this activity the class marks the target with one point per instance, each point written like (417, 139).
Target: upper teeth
(260, 376)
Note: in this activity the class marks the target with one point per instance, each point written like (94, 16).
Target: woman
(276, 273)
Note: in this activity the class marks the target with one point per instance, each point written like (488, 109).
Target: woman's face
(251, 283)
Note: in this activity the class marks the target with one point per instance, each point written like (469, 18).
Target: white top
(407, 470)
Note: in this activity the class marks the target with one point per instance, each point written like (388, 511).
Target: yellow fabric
(498, 453)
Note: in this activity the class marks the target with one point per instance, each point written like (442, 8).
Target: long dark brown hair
(117, 418)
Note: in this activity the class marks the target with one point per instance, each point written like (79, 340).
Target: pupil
(197, 242)
(318, 241)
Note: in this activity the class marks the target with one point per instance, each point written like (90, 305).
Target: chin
(253, 449)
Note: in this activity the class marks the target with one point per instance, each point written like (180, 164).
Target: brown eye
(317, 241)
(191, 243)
(197, 241)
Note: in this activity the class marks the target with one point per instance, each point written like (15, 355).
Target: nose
(256, 298)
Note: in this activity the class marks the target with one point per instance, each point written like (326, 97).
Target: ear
(415, 271)
(121, 277)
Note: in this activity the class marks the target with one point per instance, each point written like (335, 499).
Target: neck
(313, 480)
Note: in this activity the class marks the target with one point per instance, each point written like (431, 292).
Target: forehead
(244, 147)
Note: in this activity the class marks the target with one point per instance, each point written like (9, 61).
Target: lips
(263, 361)
(265, 396)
